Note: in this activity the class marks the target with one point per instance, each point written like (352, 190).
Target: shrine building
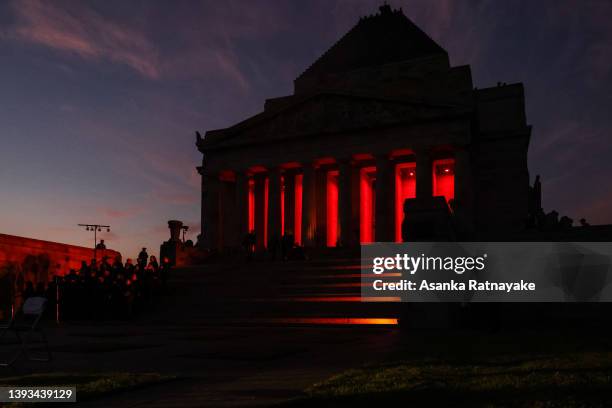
(379, 118)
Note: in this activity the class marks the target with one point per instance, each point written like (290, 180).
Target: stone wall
(26, 259)
(43, 259)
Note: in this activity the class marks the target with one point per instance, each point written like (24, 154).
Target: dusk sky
(99, 100)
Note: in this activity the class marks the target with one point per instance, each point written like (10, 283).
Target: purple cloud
(79, 29)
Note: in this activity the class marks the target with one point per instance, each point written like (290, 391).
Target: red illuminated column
(331, 208)
(309, 209)
(242, 204)
(297, 218)
(274, 206)
(385, 198)
(424, 172)
(261, 212)
(366, 204)
(344, 201)
(405, 188)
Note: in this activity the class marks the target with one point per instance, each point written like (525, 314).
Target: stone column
(290, 201)
(260, 214)
(274, 209)
(344, 201)
(464, 194)
(320, 196)
(355, 231)
(424, 173)
(385, 197)
(242, 205)
(210, 210)
(201, 241)
(463, 179)
(309, 206)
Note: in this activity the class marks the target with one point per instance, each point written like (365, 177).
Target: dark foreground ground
(206, 346)
(535, 368)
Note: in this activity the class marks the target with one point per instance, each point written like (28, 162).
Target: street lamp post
(95, 228)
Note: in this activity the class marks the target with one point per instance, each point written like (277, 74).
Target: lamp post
(95, 228)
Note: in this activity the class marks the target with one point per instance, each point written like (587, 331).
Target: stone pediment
(324, 114)
(384, 38)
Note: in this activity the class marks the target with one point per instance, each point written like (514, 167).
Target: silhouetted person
(129, 266)
(117, 266)
(151, 279)
(101, 245)
(105, 263)
(84, 269)
(143, 257)
(153, 264)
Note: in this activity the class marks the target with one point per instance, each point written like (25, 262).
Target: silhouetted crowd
(105, 289)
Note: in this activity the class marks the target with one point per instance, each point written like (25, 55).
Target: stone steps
(324, 292)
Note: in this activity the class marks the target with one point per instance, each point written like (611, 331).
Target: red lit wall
(291, 206)
(405, 187)
(40, 260)
(251, 204)
(444, 178)
(298, 209)
(332, 208)
(366, 204)
(266, 208)
(282, 205)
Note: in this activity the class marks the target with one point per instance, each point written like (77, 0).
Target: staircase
(322, 291)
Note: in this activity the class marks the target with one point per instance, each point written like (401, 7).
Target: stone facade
(381, 117)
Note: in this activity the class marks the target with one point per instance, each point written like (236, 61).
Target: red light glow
(367, 175)
(367, 321)
(298, 209)
(227, 175)
(282, 205)
(444, 178)
(266, 207)
(405, 187)
(332, 208)
(342, 299)
(251, 204)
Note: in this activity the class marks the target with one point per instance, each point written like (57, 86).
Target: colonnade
(326, 202)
